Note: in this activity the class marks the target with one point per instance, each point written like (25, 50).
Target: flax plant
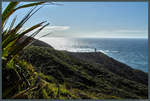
(13, 39)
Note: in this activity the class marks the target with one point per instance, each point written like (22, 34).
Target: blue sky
(93, 19)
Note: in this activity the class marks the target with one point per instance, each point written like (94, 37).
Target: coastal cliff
(91, 72)
(90, 75)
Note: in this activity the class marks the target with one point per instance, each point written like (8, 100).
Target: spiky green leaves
(12, 7)
(13, 39)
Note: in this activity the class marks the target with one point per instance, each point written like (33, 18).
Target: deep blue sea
(133, 52)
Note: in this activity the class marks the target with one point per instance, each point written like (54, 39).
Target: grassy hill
(91, 73)
(65, 75)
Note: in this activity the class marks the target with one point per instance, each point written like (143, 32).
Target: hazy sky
(92, 19)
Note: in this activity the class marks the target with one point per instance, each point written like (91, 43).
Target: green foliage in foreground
(13, 36)
(16, 87)
(27, 86)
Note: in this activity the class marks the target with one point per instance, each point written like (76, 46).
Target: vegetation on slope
(90, 78)
(33, 85)
(114, 66)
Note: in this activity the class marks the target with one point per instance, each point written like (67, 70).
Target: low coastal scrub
(68, 78)
(90, 78)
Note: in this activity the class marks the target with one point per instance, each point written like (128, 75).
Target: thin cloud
(122, 31)
(129, 31)
(52, 31)
(57, 28)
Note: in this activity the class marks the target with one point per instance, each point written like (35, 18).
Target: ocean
(133, 52)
